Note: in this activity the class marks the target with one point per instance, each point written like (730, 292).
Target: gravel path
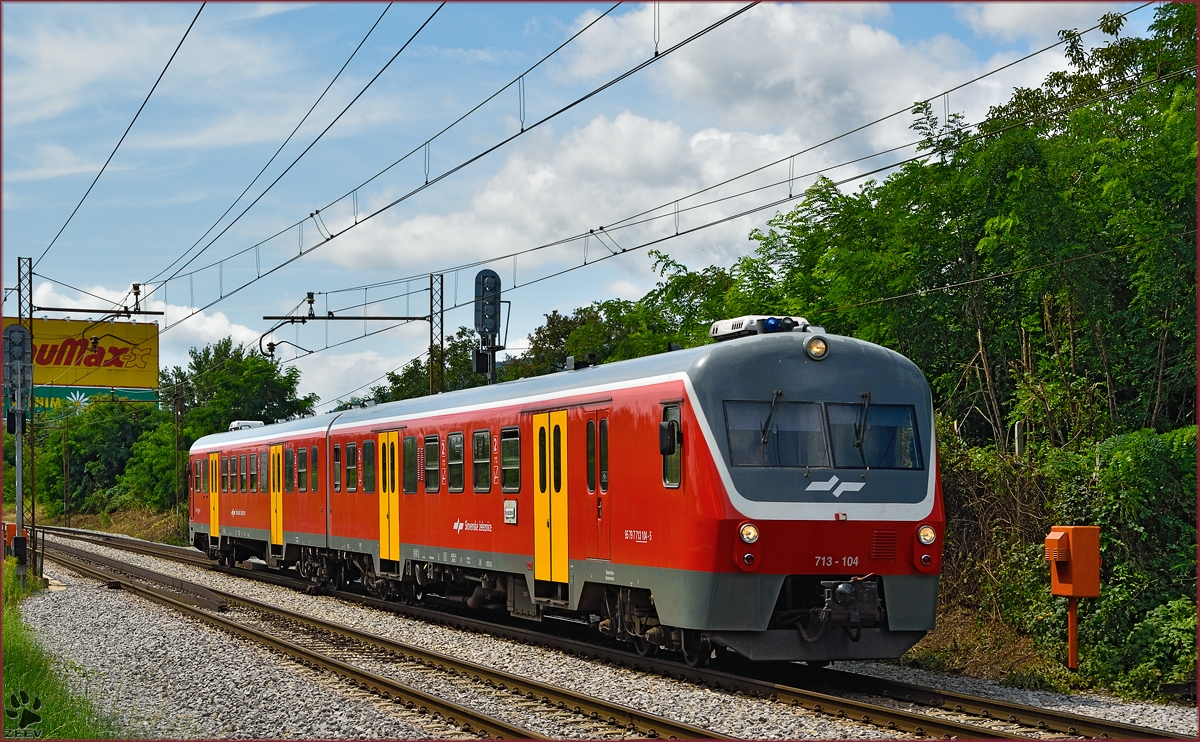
(724, 712)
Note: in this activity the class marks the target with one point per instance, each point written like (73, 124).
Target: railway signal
(487, 321)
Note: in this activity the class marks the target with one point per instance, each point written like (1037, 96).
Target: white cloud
(819, 69)
(52, 161)
(549, 189)
(1040, 22)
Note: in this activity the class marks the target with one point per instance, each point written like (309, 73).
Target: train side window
(510, 460)
(481, 460)
(302, 469)
(351, 467)
(203, 475)
(243, 473)
(410, 464)
(591, 455)
(455, 468)
(312, 471)
(289, 469)
(224, 474)
(368, 466)
(604, 455)
(254, 472)
(433, 464)
(337, 468)
(672, 463)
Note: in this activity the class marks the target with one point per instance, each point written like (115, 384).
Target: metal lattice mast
(437, 339)
(25, 318)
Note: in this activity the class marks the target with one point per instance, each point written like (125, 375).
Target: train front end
(824, 446)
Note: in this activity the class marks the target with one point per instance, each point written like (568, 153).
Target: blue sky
(771, 82)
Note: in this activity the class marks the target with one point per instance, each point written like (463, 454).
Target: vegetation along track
(929, 711)
(362, 658)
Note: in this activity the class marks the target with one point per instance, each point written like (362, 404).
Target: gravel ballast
(727, 713)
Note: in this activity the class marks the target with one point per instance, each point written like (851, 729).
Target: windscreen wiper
(860, 428)
(766, 428)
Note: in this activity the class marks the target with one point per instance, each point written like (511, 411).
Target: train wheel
(644, 648)
(694, 651)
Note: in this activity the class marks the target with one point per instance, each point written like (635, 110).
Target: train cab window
(481, 460)
(368, 466)
(888, 442)
(433, 464)
(604, 455)
(776, 434)
(289, 469)
(672, 462)
(510, 460)
(243, 473)
(591, 455)
(337, 468)
(410, 464)
(254, 472)
(224, 474)
(312, 470)
(455, 468)
(351, 467)
(302, 470)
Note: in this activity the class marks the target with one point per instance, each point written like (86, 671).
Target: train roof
(673, 362)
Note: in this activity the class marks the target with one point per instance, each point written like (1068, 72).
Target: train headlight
(749, 533)
(926, 535)
(816, 348)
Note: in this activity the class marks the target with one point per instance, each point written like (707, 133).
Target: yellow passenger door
(550, 497)
(389, 497)
(277, 495)
(214, 495)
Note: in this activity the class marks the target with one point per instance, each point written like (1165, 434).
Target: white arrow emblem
(843, 487)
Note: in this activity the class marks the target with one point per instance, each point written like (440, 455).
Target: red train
(774, 493)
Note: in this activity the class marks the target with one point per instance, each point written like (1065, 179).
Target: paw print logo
(22, 710)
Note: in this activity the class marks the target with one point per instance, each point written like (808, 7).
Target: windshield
(797, 435)
(889, 442)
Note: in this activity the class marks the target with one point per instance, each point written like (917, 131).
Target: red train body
(694, 501)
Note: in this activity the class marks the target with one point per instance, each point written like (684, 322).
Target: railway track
(901, 706)
(369, 661)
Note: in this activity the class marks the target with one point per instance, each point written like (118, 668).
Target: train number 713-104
(828, 561)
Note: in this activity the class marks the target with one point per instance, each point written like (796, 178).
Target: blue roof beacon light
(757, 324)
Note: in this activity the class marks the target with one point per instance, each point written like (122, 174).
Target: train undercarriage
(812, 611)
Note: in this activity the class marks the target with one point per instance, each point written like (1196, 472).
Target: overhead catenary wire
(281, 146)
(451, 171)
(632, 220)
(353, 193)
(122, 139)
(306, 150)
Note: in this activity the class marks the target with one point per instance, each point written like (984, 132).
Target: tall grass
(29, 670)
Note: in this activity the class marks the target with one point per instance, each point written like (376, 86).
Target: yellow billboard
(94, 354)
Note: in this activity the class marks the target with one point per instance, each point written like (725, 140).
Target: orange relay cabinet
(1074, 556)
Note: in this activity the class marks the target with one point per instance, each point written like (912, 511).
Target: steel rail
(470, 720)
(631, 719)
(182, 590)
(990, 708)
(757, 683)
(149, 548)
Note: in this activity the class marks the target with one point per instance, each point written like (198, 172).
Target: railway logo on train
(774, 494)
